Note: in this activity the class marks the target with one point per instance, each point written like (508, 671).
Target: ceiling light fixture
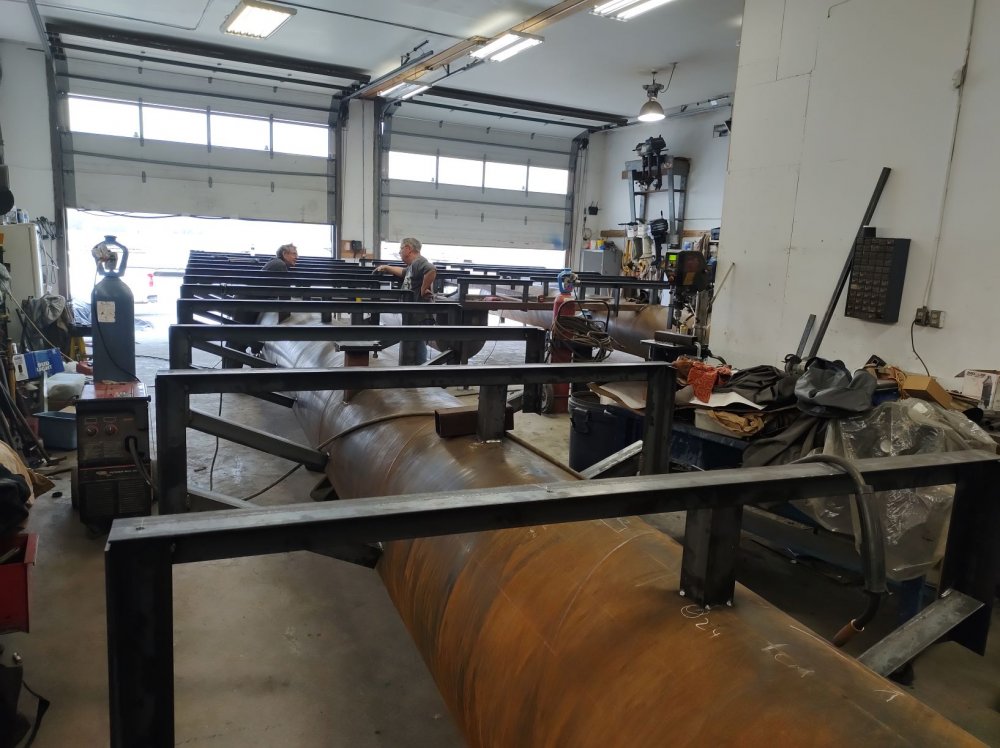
(256, 19)
(652, 111)
(703, 107)
(506, 46)
(623, 10)
(405, 90)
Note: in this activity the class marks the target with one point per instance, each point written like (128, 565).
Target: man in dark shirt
(285, 259)
(419, 273)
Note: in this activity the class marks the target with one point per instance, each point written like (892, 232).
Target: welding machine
(113, 477)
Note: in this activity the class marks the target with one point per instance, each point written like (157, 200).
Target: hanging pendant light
(651, 111)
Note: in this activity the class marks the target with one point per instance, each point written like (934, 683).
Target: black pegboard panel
(876, 288)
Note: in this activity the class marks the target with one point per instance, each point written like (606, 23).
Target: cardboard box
(35, 363)
(926, 388)
(981, 385)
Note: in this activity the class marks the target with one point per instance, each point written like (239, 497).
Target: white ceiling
(586, 62)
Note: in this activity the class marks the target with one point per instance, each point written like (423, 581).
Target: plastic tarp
(915, 521)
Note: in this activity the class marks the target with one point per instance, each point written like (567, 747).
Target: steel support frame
(183, 339)
(174, 390)
(205, 290)
(187, 309)
(140, 552)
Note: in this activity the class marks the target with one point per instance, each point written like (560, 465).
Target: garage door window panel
(415, 167)
(464, 172)
(103, 117)
(250, 133)
(552, 181)
(175, 125)
(506, 176)
(301, 140)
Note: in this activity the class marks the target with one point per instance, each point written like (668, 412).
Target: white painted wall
(828, 93)
(24, 122)
(358, 186)
(690, 137)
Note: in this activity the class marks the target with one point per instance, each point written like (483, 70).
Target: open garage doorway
(158, 251)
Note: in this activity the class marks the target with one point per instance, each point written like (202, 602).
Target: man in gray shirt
(286, 257)
(419, 273)
(418, 276)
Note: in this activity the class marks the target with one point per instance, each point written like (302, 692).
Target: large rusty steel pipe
(574, 634)
(628, 329)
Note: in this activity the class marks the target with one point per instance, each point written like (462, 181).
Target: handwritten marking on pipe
(701, 620)
(892, 694)
(783, 658)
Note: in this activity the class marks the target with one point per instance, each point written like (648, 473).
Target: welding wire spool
(585, 332)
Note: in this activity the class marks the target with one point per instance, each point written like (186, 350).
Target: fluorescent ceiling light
(623, 10)
(506, 46)
(702, 107)
(404, 90)
(257, 19)
(414, 92)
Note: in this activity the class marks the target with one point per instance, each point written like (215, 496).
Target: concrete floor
(302, 650)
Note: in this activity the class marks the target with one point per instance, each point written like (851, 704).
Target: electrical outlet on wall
(929, 317)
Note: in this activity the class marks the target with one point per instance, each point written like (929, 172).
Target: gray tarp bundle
(915, 521)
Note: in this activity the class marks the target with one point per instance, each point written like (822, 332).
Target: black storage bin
(598, 431)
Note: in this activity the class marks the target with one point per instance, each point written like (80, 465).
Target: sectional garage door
(142, 139)
(464, 184)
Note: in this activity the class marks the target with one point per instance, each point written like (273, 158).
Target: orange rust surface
(575, 635)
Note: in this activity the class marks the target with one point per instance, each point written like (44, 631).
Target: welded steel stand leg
(711, 549)
(972, 558)
(492, 412)
(180, 349)
(139, 584)
(172, 406)
(534, 353)
(659, 420)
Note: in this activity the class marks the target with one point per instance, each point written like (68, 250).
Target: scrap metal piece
(925, 628)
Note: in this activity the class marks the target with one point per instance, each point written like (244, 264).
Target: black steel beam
(711, 550)
(229, 355)
(216, 535)
(257, 439)
(660, 389)
(182, 338)
(235, 279)
(278, 399)
(140, 620)
(475, 97)
(203, 500)
(201, 290)
(188, 308)
(213, 51)
(972, 559)
(354, 378)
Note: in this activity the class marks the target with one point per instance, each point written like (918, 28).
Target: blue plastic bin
(57, 430)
